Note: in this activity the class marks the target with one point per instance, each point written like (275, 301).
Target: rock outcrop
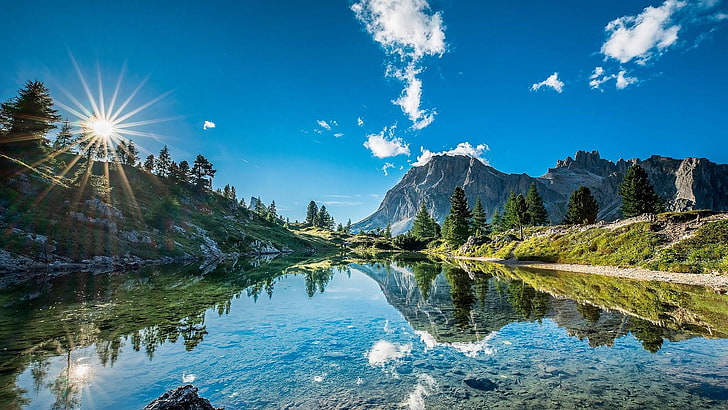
(181, 398)
(684, 184)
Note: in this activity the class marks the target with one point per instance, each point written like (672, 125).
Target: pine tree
(480, 221)
(174, 173)
(456, 227)
(347, 227)
(26, 119)
(65, 138)
(388, 231)
(311, 212)
(422, 226)
(638, 193)
(132, 154)
(233, 194)
(536, 210)
(149, 163)
(272, 211)
(226, 191)
(323, 219)
(582, 208)
(202, 173)
(184, 172)
(496, 221)
(164, 161)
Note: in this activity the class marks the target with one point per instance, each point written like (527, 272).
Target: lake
(401, 333)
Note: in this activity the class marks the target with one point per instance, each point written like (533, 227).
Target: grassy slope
(643, 244)
(156, 218)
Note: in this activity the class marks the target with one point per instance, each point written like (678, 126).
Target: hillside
(687, 184)
(116, 215)
(689, 242)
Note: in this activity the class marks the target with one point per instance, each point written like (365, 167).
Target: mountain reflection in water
(455, 306)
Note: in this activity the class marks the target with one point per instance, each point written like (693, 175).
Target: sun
(102, 128)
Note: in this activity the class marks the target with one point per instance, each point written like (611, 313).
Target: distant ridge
(685, 184)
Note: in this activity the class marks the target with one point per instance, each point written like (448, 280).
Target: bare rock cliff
(691, 183)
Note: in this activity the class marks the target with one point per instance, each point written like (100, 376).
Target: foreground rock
(181, 398)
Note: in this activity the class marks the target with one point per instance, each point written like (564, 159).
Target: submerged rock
(181, 398)
(479, 383)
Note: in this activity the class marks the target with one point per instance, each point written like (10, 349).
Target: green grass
(706, 251)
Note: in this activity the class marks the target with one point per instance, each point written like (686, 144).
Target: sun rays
(103, 128)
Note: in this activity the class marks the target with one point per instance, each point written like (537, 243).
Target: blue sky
(334, 101)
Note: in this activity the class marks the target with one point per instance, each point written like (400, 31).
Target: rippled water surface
(325, 334)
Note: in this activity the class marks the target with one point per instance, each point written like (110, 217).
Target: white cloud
(600, 76)
(464, 148)
(339, 134)
(323, 124)
(208, 124)
(623, 82)
(385, 144)
(359, 121)
(552, 81)
(386, 166)
(383, 352)
(643, 36)
(408, 31)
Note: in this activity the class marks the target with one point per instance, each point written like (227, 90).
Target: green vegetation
(582, 207)
(87, 195)
(456, 227)
(706, 251)
(424, 226)
(638, 193)
(644, 244)
(536, 210)
(680, 307)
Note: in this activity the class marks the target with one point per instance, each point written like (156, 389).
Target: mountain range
(684, 184)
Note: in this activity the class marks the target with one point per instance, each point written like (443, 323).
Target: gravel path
(717, 282)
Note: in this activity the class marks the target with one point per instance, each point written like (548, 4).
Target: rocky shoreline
(719, 283)
(16, 269)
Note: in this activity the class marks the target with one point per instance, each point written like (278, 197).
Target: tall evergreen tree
(536, 210)
(347, 227)
(388, 231)
(203, 173)
(272, 211)
(184, 171)
(480, 220)
(311, 212)
(149, 163)
(582, 208)
(497, 222)
(233, 194)
(164, 161)
(423, 226)
(456, 227)
(132, 153)
(226, 191)
(638, 193)
(65, 138)
(324, 219)
(26, 119)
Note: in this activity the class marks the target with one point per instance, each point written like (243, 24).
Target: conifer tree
(388, 231)
(638, 193)
(272, 211)
(149, 163)
(26, 119)
(311, 212)
(226, 191)
(423, 226)
(347, 227)
(132, 153)
(582, 207)
(233, 194)
(65, 137)
(323, 219)
(456, 227)
(480, 221)
(164, 161)
(496, 221)
(536, 210)
(202, 173)
(184, 171)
